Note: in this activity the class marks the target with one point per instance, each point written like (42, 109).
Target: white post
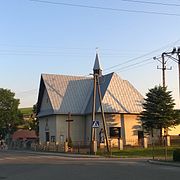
(168, 140)
(120, 144)
(145, 144)
(94, 147)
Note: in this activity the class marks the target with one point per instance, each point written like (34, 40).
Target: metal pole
(103, 117)
(178, 54)
(163, 69)
(163, 76)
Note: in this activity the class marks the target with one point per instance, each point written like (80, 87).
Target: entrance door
(47, 136)
(140, 138)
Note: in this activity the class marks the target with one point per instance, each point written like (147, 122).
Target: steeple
(97, 69)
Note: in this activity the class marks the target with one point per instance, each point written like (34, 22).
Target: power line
(105, 8)
(134, 67)
(153, 3)
(128, 66)
(144, 55)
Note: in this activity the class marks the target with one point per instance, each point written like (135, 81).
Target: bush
(70, 144)
(176, 155)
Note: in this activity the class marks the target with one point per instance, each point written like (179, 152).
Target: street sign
(95, 124)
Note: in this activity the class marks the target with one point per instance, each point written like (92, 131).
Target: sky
(61, 37)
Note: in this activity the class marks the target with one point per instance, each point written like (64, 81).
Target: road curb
(158, 162)
(59, 154)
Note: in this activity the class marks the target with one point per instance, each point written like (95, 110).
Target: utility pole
(164, 85)
(178, 55)
(177, 60)
(163, 70)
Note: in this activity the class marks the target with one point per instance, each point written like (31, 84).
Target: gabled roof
(74, 94)
(66, 93)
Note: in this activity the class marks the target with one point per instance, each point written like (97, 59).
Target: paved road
(25, 166)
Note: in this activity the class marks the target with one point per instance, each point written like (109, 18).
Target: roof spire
(97, 69)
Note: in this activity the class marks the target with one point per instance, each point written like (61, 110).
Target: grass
(27, 110)
(159, 152)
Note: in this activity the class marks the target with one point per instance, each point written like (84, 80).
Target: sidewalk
(70, 155)
(166, 163)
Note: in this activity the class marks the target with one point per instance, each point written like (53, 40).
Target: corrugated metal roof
(67, 93)
(122, 97)
(74, 94)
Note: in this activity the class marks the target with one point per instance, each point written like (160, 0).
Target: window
(53, 139)
(47, 136)
(140, 134)
(115, 132)
(46, 125)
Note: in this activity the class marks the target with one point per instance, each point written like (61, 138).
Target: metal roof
(74, 94)
(96, 63)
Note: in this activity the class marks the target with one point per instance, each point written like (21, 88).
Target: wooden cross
(69, 120)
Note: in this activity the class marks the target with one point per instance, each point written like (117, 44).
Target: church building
(64, 97)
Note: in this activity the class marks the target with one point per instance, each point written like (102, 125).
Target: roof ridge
(64, 75)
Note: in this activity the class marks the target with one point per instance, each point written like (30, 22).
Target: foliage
(176, 155)
(70, 144)
(159, 110)
(35, 121)
(10, 116)
(141, 152)
(30, 120)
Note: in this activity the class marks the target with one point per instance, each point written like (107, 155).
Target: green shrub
(70, 144)
(176, 155)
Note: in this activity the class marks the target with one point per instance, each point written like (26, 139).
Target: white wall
(47, 124)
(46, 104)
(77, 128)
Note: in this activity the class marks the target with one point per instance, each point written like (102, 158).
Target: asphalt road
(25, 166)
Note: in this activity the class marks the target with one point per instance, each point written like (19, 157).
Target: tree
(30, 120)
(10, 116)
(34, 123)
(159, 110)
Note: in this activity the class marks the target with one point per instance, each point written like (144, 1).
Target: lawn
(159, 152)
(26, 111)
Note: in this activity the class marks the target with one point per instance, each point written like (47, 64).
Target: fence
(132, 148)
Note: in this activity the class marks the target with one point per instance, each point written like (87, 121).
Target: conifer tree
(159, 110)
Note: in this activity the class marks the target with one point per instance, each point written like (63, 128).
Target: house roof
(75, 93)
(24, 134)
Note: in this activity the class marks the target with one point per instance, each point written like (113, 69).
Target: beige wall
(81, 128)
(89, 124)
(131, 125)
(174, 130)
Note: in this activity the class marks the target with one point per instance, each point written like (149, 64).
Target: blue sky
(37, 37)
